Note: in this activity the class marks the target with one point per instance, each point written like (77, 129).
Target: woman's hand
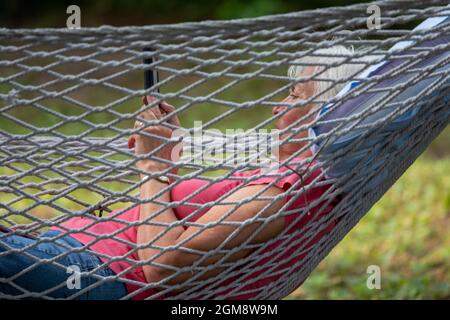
(143, 144)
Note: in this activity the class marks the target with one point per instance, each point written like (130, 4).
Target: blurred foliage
(405, 234)
(50, 13)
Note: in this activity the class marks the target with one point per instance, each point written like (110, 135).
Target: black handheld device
(151, 76)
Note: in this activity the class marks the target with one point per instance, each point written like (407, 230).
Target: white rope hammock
(69, 98)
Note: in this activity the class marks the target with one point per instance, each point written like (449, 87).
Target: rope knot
(12, 96)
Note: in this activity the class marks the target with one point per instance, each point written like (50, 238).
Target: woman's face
(301, 91)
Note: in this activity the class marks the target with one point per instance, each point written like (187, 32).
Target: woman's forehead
(308, 70)
(305, 72)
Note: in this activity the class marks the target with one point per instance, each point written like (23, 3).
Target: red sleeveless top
(120, 237)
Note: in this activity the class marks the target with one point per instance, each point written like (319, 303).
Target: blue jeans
(48, 275)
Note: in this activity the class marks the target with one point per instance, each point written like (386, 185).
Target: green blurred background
(406, 233)
(48, 13)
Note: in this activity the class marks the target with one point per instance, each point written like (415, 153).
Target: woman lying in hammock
(115, 253)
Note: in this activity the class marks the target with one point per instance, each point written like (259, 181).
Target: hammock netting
(69, 99)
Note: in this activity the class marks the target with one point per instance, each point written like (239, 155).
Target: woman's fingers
(156, 112)
(161, 110)
(148, 113)
(167, 108)
(150, 100)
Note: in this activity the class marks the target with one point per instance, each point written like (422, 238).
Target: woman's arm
(209, 238)
(205, 237)
(148, 231)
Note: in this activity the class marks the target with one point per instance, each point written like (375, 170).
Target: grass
(405, 234)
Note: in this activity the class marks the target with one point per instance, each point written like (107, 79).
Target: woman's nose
(279, 109)
(276, 110)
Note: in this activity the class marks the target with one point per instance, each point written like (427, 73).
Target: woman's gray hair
(335, 77)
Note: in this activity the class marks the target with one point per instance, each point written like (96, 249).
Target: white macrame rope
(46, 167)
